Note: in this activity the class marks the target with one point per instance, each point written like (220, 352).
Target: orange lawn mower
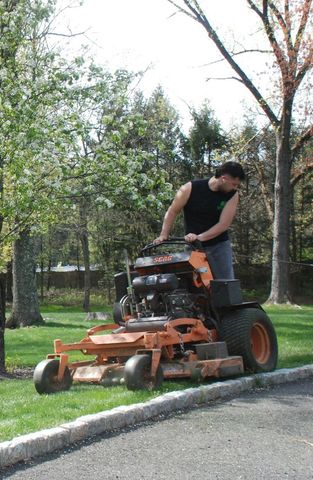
(172, 320)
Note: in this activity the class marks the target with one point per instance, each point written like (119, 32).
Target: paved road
(266, 434)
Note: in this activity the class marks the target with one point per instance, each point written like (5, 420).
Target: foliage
(37, 130)
(127, 161)
(205, 140)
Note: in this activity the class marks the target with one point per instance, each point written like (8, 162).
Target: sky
(174, 49)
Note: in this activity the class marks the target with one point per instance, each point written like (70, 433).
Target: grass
(22, 410)
(28, 346)
(294, 328)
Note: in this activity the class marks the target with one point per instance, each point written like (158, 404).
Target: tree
(253, 147)
(25, 309)
(125, 155)
(37, 136)
(29, 139)
(205, 137)
(287, 26)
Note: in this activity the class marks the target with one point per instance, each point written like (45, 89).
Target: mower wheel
(46, 377)
(137, 374)
(250, 333)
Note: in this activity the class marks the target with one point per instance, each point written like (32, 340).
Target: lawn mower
(172, 320)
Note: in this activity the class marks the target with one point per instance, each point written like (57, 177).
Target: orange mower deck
(112, 350)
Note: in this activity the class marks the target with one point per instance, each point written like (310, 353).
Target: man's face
(229, 183)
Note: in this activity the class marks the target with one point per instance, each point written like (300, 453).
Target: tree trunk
(9, 282)
(25, 309)
(2, 321)
(42, 271)
(86, 256)
(2, 290)
(280, 290)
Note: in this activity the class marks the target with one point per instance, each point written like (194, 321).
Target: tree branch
(224, 78)
(300, 173)
(305, 137)
(303, 23)
(234, 54)
(283, 25)
(198, 15)
(303, 70)
(279, 54)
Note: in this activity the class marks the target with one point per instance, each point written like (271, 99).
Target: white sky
(134, 34)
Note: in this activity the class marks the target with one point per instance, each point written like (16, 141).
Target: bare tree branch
(305, 137)
(224, 78)
(234, 54)
(66, 35)
(199, 16)
(300, 173)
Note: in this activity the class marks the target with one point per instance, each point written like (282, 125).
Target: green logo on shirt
(221, 205)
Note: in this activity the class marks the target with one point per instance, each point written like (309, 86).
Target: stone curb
(46, 441)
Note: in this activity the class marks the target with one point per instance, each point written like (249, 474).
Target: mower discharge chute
(172, 320)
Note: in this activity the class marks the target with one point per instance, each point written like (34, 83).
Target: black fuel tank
(164, 282)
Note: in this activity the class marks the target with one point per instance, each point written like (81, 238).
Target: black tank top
(204, 208)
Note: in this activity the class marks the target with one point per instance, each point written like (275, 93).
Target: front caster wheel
(46, 377)
(137, 374)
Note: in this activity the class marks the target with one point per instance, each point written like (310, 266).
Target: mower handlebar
(196, 245)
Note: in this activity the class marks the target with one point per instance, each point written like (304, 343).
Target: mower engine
(161, 295)
(162, 287)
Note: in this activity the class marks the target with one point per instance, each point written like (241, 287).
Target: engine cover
(159, 283)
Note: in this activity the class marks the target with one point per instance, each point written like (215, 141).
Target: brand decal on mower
(165, 258)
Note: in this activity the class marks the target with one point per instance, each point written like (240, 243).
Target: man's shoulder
(200, 182)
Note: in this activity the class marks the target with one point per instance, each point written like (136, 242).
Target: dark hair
(233, 169)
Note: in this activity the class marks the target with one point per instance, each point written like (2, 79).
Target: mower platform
(182, 349)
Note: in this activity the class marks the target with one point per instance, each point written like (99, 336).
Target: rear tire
(137, 374)
(250, 333)
(46, 377)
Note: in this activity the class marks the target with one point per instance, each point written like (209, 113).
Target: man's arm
(225, 221)
(180, 200)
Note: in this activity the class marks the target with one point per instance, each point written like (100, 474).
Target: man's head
(229, 175)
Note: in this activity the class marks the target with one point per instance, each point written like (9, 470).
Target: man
(209, 208)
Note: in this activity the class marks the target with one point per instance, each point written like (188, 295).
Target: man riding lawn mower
(172, 320)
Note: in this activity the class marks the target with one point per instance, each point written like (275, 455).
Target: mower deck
(112, 350)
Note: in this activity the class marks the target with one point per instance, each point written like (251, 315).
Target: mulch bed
(17, 374)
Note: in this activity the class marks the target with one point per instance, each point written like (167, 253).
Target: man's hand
(159, 239)
(191, 237)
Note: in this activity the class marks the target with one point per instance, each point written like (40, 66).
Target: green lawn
(294, 327)
(22, 410)
(28, 346)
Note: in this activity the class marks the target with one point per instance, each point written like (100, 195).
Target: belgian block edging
(46, 441)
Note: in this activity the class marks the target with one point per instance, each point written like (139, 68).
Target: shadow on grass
(74, 326)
